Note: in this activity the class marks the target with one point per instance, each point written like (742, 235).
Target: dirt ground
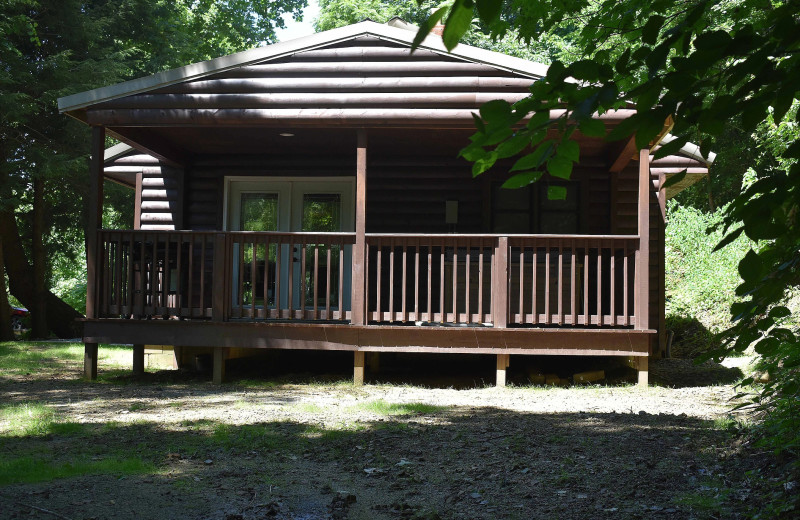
(312, 446)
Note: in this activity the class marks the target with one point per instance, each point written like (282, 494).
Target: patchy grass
(249, 437)
(26, 420)
(27, 357)
(33, 469)
(381, 407)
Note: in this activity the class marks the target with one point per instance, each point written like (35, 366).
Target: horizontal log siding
(162, 186)
(354, 80)
(625, 222)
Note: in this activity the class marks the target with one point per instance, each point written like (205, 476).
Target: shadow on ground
(452, 463)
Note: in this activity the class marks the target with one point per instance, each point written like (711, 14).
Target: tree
(709, 65)
(52, 49)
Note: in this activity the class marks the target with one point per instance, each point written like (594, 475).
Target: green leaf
(539, 119)
(779, 312)
(489, 10)
(457, 24)
(523, 179)
(571, 150)
(730, 237)
(534, 159)
(586, 70)
(557, 192)
(674, 179)
(426, 27)
(513, 146)
(497, 111)
(652, 28)
(484, 163)
(591, 127)
(560, 167)
(751, 267)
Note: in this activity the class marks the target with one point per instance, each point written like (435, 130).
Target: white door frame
(290, 191)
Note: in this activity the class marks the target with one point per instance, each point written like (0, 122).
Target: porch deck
(489, 294)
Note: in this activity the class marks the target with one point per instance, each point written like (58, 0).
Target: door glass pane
(258, 212)
(322, 212)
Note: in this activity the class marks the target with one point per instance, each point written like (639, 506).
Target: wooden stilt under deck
(219, 364)
(642, 368)
(90, 361)
(358, 367)
(503, 361)
(138, 360)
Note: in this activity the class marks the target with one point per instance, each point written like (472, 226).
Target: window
(528, 210)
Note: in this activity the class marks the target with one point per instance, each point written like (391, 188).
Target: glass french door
(308, 205)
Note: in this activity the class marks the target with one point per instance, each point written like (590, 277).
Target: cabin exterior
(308, 195)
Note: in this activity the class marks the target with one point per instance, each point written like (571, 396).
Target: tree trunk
(60, 316)
(39, 307)
(6, 332)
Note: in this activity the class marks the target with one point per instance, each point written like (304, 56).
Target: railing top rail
(498, 235)
(156, 232)
(292, 233)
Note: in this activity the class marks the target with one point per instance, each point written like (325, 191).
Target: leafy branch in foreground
(706, 64)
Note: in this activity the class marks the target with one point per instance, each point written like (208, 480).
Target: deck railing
(516, 280)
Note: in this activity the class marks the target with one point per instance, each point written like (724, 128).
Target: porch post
(93, 223)
(643, 255)
(358, 304)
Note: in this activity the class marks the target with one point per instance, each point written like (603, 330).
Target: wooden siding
(159, 189)
(364, 79)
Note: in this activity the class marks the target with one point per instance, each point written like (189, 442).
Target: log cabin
(309, 195)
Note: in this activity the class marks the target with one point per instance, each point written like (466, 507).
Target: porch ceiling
(179, 144)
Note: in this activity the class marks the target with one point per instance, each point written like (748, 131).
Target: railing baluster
(586, 282)
(455, 280)
(391, 280)
(481, 317)
(599, 283)
(430, 282)
(573, 291)
(547, 315)
(278, 261)
(316, 273)
(416, 281)
(625, 317)
(534, 292)
(560, 319)
(404, 285)
(303, 285)
(613, 286)
(467, 293)
(379, 276)
(328, 282)
(342, 313)
(521, 284)
(442, 312)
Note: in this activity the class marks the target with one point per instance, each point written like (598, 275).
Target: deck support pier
(138, 359)
(219, 365)
(358, 367)
(503, 361)
(642, 370)
(90, 361)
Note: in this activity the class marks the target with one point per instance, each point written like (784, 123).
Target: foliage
(700, 282)
(338, 13)
(52, 49)
(707, 65)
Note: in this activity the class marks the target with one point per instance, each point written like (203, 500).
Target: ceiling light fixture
(286, 134)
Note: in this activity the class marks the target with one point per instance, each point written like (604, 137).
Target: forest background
(742, 295)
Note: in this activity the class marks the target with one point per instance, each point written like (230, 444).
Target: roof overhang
(76, 102)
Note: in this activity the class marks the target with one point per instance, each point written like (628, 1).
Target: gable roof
(200, 70)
